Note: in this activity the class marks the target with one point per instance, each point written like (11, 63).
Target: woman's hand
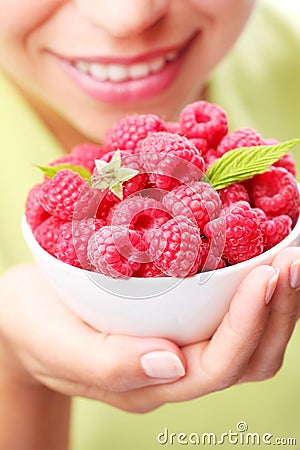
(48, 344)
(47, 355)
(250, 343)
(52, 347)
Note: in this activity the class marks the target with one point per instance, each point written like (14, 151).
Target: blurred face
(90, 62)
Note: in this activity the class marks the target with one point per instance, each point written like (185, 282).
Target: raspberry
(198, 201)
(135, 184)
(210, 156)
(105, 207)
(148, 270)
(127, 132)
(173, 127)
(113, 251)
(200, 144)
(139, 213)
(270, 141)
(171, 159)
(210, 258)
(175, 247)
(69, 159)
(107, 157)
(243, 236)
(287, 162)
(233, 193)
(275, 230)
(243, 137)
(72, 241)
(34, 212)
(88, 151)
(68, 195)
(47, 233)
(82, 155)
(204, 120)
(260, 214)
(276, 193)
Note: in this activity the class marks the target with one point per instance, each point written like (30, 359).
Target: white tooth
(116, 72)
(82, 66)
(138, 70)
(98, 71)
(157, 64)
(171, 56)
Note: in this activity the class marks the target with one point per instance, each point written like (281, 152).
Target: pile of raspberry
(168, 220)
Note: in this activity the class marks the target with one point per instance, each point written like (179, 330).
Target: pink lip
(130, 90)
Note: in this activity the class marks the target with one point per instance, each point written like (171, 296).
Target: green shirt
(258, 85)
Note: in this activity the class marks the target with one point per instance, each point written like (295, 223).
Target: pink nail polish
(271, 286)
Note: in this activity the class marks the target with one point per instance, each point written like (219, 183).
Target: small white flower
(112, 175)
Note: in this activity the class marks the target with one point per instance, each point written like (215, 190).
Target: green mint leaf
(51, 171)
(245, 162)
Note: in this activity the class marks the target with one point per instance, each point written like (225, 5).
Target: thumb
(83, 356)
(79, 354)
(120, 363)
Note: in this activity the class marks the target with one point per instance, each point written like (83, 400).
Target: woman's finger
(236, 339)
(283, 314)
(218, 363)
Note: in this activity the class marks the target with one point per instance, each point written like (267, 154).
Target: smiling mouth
(117, 73)
(126, 79)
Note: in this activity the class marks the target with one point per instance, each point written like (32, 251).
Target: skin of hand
(47, 345)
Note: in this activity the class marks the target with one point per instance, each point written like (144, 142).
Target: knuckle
(287, 253)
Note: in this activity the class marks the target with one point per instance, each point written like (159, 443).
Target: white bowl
(183, 310)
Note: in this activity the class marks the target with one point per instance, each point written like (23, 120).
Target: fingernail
(271, 286)
(295, 274)
(162, 364)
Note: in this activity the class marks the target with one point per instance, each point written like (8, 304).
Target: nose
(123, 18)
